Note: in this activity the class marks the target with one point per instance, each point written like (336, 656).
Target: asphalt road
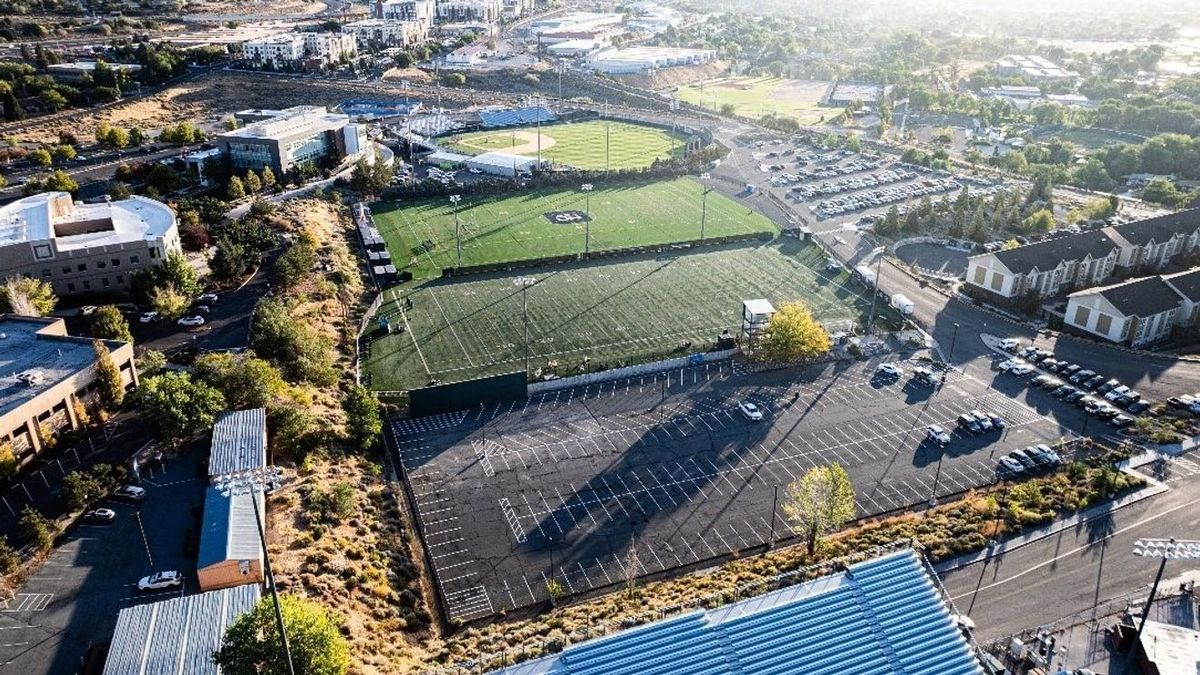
(1077, 569)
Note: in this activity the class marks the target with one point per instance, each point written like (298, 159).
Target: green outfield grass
(578, 144)
(630, 311)
(758, 96)
(498, 229)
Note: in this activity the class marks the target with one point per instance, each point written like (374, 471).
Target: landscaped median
(956, 528)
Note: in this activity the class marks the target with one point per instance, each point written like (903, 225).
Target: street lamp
(251, 483)
(878, 253)
(454, 200)
(1164, 550)
(587, 221)
(704, 203)
(525, 283)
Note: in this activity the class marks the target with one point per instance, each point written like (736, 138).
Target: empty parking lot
(596, 484)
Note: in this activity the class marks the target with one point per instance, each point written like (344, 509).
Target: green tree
(1041, 220)
(235, 190)
(294, 266)
(136, 136)
(80, 490)
(52, 100)
(269, 181)
(35, 529)
(57, 181)
(454, 79)
(108, 378)
(301, 353)
(291, 428)
(41, 157)
(26, 296)
(176, 271)
(404, 60)
(890, 224)
(229, 260)
(9, 560)
(178, 404)
(8, 462)
(251, 644)
(370, 178)
(168, 302)
(363, 419)
(253, 183)
(244, 381)
(793, 334)
(819, 502)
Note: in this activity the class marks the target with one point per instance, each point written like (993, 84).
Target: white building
(379, 33)
(1031, 67)
(82, 248)
(1136, 312)
(502, 163)
(404, 10)
(470, 11)
(331, 48)
(646, 59)
(1083, 260)
(469, 55)
(283, 50)
(573, 21)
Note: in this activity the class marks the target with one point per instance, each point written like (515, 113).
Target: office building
(285, 139)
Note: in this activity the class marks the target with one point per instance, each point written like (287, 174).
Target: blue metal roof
(229, 530)
(880, 616)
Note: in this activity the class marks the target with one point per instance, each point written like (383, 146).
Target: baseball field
(592, 145)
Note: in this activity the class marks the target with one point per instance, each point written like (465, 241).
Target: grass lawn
(578, 144)
(497, 229)
(1091, 139)
(630, 311)
(758, 96)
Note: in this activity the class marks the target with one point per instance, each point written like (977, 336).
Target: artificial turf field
(578, 144)
(632, 311)
(497, 229)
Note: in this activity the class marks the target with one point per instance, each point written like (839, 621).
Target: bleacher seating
(492, 119)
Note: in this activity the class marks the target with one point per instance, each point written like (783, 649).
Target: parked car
(926, 376)
(148, 317)
(750, 411)
(100, 516)
(1074, 396)
(937, 434)
(1010, 466)
(1010, 344)
(207, 299)
(1081, 376)
(130, 493)
(1107, 412)
(195, 320)
(1007, 365)
(985, 422)
(1071, 370)
(1028, 352)
(1025, 460)
(1044, 454)
(160, 580)
(1116, 392)
(889, 370)
(968, 422)
(1040, 380)
(1021, 369)
(997, 421)
(1139, 407)
(1094, 381)
(1108, 386)
(1121, 421)
(1063, 391)
(1052, 384)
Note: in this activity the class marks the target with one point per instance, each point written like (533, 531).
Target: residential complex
(383, 33)
(1053, 266)
(84, 248)
(274, 51)
(285, 139)
(300, 51)
(1137, 312)
(470, 11)
(404, 10)
(48, 379)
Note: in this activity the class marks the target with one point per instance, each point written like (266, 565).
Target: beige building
(45, 374)
(84, 248)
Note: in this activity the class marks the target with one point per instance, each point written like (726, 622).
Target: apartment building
(382, 33)
(404, 10)
(277, 52)
(84, 248)
(1084, 260)
(470, 11)
(1137, 312)
(330, 49)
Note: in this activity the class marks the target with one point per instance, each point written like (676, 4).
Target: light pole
(704, 202)
(950, 355)
(587, 221)
(253, 482)
(878, 252)
(454, 200)
(525, 283)
(1164, 550)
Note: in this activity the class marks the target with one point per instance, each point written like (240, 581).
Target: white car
(889, 369)
(1114, 394)
(196, 320)
(207, 299)
(937, 434)
(1006, 365)
(750, 411)
(160, 580)
(1021, 369)
(1010, 344)
(100, 515)
(130, 492)
(148, 317)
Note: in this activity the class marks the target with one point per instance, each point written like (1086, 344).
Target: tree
(8, 462)
(108, 378)
(244, 381)
(235, 190)
(52, 100)
(108, 323)
(362, 416)
(178, 404)
(26, 296)
(1041, 220)
(890, 224)
(176, 271)
(370, 178)
(454, 79)
(300, 352)
(64, 152)
(80, 490)
(294, 266)
(168, 301)
(793, 334)
(136, 136)
(404, 60)
(9, 560)
(269, 181)
(41, 157)
(229, 260)
(35, 529)
(253, 183)
(819, 502)
(251, 645)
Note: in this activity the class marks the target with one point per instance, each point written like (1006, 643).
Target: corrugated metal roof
(178, 636)
(229, 531)
(880, 616)
(239, 442)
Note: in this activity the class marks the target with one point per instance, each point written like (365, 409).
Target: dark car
(969, 423)
(1071, 370)
(1139, 407)
(1052, 384)
(1063, 391)
(1081, 376)
(1074, 396)
(1051, 364)
(1108, 386)
(1025, 460)
(1094, 381)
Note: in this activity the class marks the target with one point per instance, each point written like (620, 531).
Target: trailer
(866, 275)
(902, 304)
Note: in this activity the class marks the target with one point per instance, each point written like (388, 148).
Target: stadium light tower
(525, 283)
(1164, 550)
(454, 200)
(587, 221)
(704, 202)
(251, 483)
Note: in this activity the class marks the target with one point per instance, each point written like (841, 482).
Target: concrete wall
(630, 371)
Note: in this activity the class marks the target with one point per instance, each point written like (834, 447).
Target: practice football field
(498, 229)
(578, 144)
(632, 311)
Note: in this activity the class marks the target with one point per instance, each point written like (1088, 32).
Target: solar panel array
(882, 616)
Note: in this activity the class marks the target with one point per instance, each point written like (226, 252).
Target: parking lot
(71, 601)
(596, 484)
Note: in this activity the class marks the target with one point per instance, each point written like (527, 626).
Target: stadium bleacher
(492, 119)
